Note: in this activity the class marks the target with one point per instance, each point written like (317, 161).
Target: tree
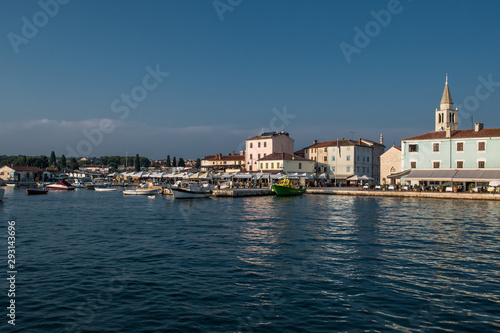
(181, 162)
(145, 162)
(137, 163)
(63, 162)
(52, 159)
(73, 163)
(169, 164)
(174, 162)
(198, 163)
(44, 162)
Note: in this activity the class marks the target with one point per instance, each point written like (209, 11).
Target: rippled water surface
(101, 262)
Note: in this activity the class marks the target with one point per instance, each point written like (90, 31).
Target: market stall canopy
(454, 175)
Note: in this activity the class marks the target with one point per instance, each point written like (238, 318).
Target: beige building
(345, 158)
(283, 162)
(222, 162)
(390, 163)
(266, 144)
(21, 173)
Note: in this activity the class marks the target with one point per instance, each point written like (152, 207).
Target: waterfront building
(390, 164)
(345, 158)
(266, 144)
(287, 163)
(94, 168)
(223, 162)
(449, 154)
(21, 173)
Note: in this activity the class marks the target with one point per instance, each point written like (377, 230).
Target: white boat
(144, 189)
(105, 189)
(2, 192)
(61, 185)
(191, 190)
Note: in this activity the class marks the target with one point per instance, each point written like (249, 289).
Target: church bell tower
(446, 117)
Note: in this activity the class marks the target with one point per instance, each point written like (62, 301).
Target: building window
(460, 164)
(277, 165)
(481, 146)
(262, 165)
(480, 164)
(251, 145)
(325, 159)
(357, 169)
(368, 159)
(251, 156)
(264, 154)
(267, 165)
(265, 144)
(357, 158)
(363, 169)
(348, 169)
(333, 149)
(348, 148)
(333, 158)
(300, 166)
(364, 158)
(435, 147)
(412, 148)
(460, 146)
(413, 164)
(258, 156)
(348, 157)
(436, 165)
(258, 145)
(333, 169)
(325, 150)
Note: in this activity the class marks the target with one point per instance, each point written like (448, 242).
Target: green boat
(286, 188)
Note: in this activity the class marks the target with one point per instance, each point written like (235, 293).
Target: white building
(266, 144)
(283, 162)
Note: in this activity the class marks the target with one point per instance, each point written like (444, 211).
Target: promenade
(406, 194)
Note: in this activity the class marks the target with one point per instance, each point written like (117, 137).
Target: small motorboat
(286, 188)
(37, 190)
(191, 190)
(105, 189)
(144, 189)
(61, 185)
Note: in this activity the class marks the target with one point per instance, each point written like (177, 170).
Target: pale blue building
(449, 154)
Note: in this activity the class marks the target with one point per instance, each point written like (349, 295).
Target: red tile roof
(224, 158)
(458, 134)
(344, 142)
(26, 168)
(285, 157)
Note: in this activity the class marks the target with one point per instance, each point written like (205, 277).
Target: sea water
(90, 261)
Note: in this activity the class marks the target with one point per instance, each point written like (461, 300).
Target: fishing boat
(61, 185)
(37, 190)
(191, 190)
(286, 188)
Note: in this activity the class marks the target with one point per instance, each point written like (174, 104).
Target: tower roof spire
(446, 99)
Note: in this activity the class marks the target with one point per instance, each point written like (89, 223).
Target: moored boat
(144, 189)
(191, 191)
(286, 188)
(105, 189)
(61, 185)
(37, 190)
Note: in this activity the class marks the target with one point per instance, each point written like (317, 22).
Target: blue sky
(226, 76)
